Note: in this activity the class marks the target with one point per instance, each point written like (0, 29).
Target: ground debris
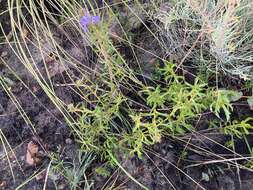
(31, 154)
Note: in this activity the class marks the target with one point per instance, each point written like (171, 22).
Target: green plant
(241, 130)
(74, 172)
(223, 102)
(96, 126)
(103, 171)
(174, 107)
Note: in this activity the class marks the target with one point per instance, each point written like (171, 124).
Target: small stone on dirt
(68, 141)
(3, 184)
(61, 186)
(32, 150)
(4, 54)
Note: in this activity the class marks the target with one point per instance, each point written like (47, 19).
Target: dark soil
(50, 133)
(45, 126)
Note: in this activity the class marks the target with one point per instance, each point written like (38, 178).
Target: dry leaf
(54, 67)
(25, 32)
(32, 150)
(3, 184)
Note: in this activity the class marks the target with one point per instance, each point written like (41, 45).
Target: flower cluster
(87, 20)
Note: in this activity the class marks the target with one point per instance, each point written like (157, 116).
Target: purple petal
(86, 20)
(95, 19)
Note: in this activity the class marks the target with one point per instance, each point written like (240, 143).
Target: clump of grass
(213, 35)
(74, 172)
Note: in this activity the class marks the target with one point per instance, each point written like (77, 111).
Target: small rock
(31, 154)
(68, 141)
(4, 54)
(61, 186)
(22, 158)
(3, 184)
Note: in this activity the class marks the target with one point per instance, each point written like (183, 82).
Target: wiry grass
(74, 172)
(221, 32)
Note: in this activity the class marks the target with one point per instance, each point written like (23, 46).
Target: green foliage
(223, 102)
(103, 171)
(184, 100)
(144, 132)
(239, 129)
(155, 98)
(95, 125)
(74, 172)
(173, 109)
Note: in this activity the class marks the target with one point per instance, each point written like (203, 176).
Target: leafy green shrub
(173, 106)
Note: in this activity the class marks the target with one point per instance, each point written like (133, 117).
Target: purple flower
(87, 20)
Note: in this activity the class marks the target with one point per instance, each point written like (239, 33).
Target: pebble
(4, 54)
(22, 158)
(3, 184)
(68, 141)
(61, 186)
